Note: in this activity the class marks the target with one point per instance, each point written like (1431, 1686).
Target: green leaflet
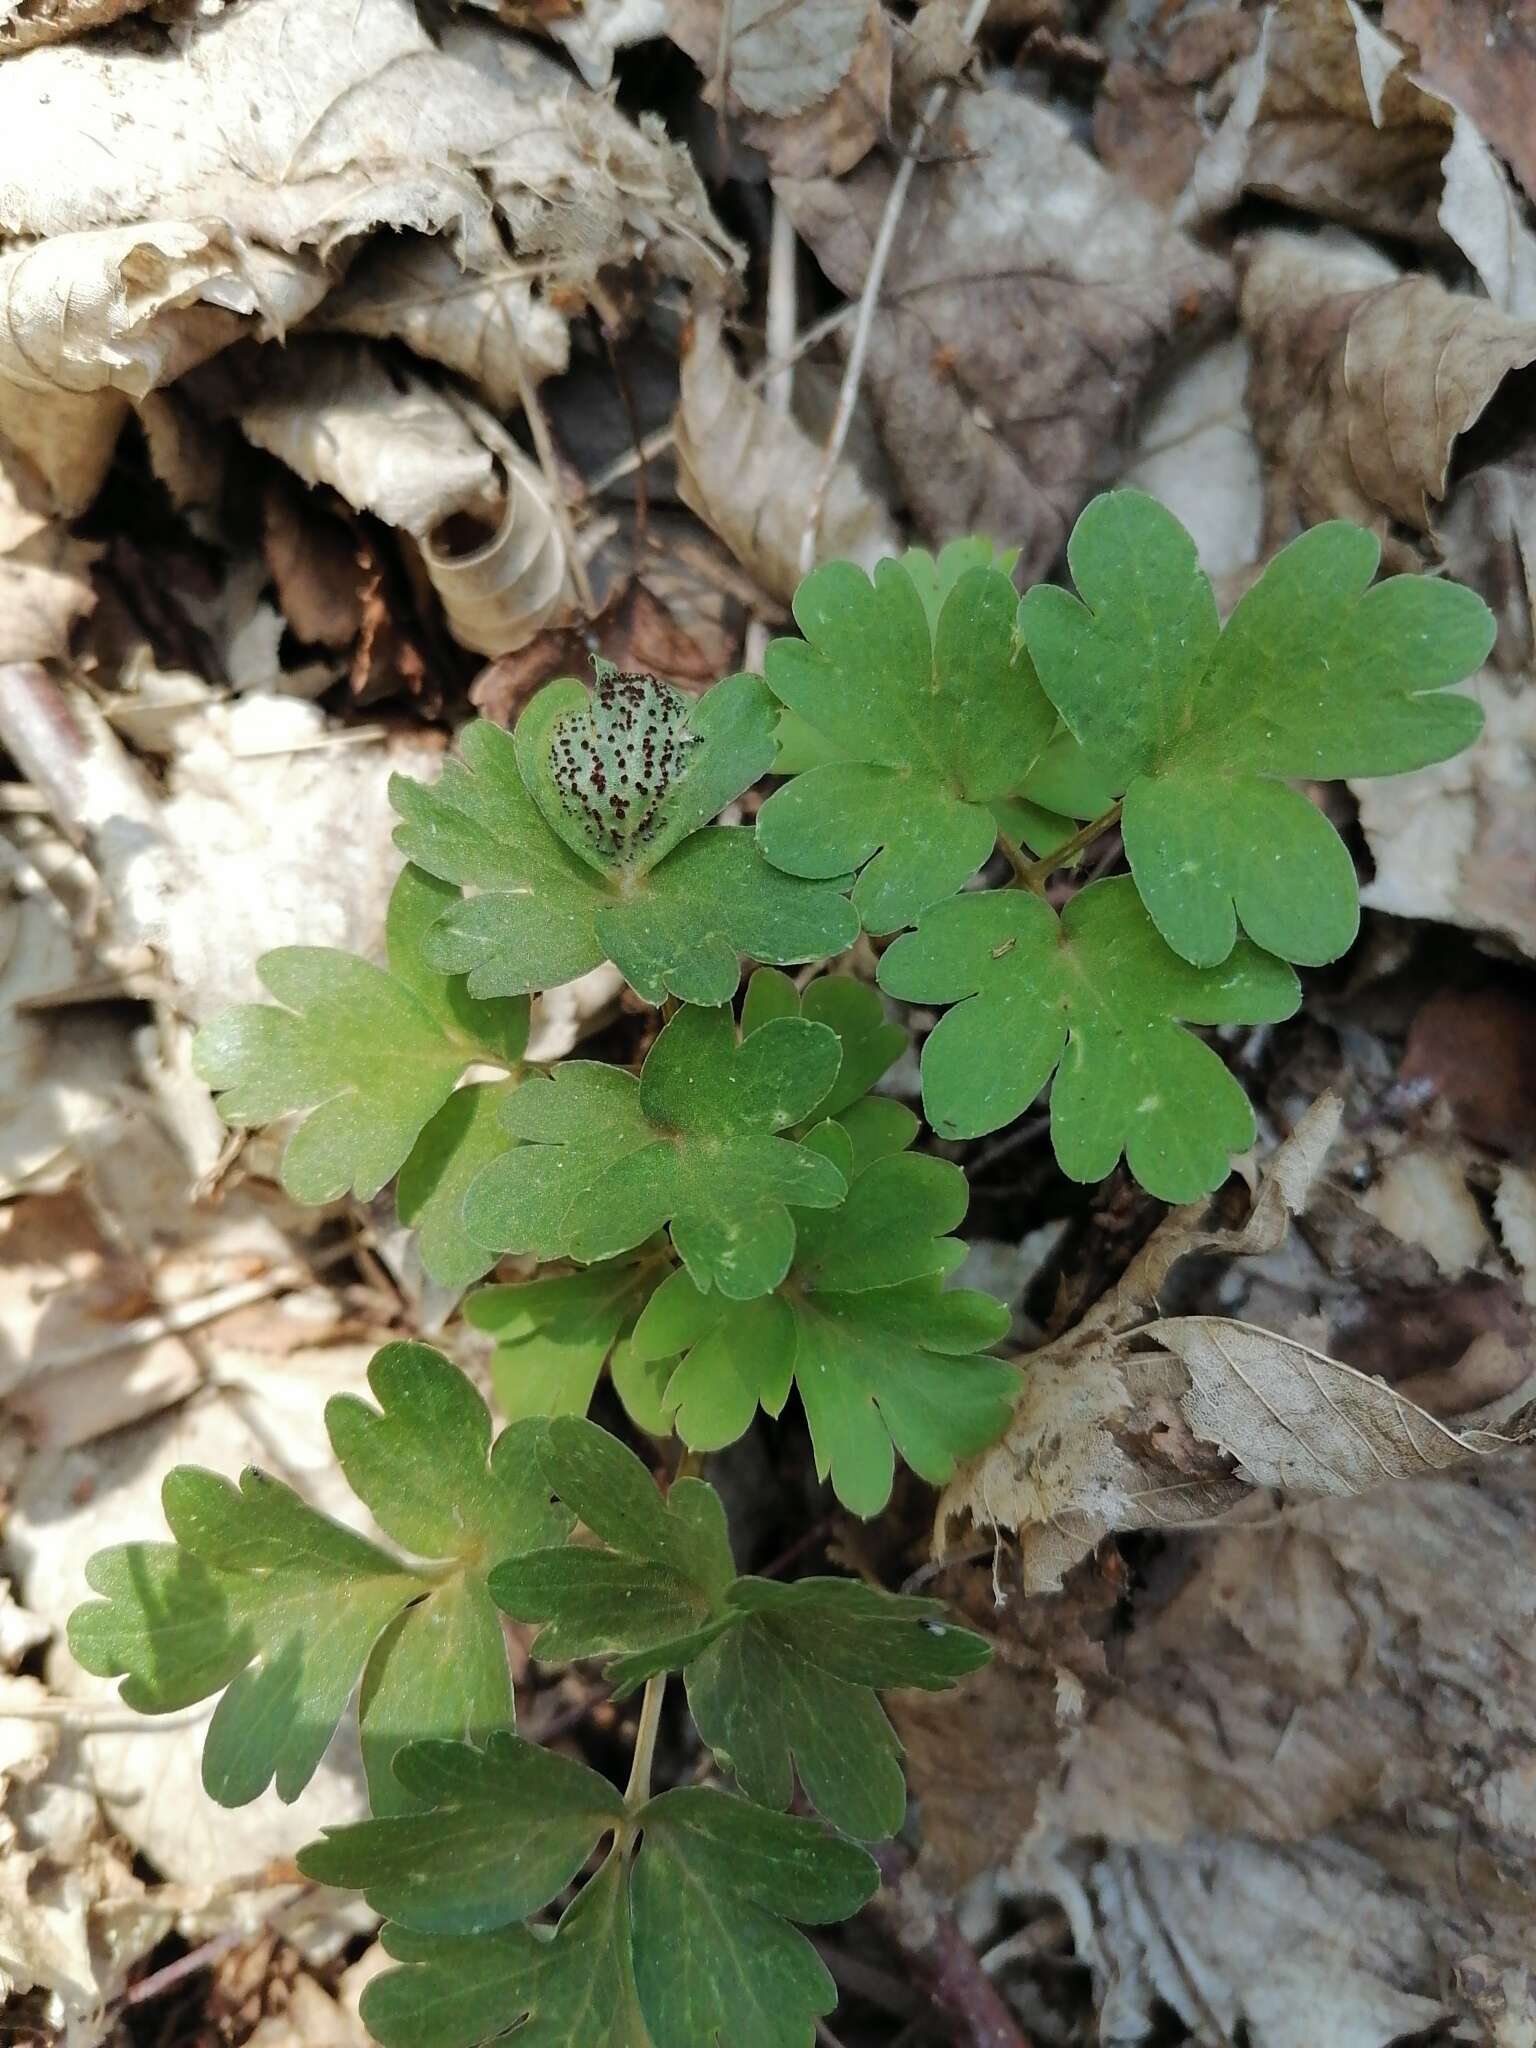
(606, 1161)
(283, 1610)
(663, 1571)
(1317, 673)
(780, 1678)
(869, 1041)
(566, 874)
(1098, 994)
(716, 1886)
(466, 1134)
(574, 1990)
(689, 1946)
(367, 1057)
(931, 722)
(496, 1834)
(885, 1358)
(555, 1334)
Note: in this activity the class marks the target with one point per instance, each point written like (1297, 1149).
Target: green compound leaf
(499, 1832)
(780, 1678)
(466, 1135)
(282, 1610)
(932, 724)
(691, 1946)
(1099, 992)
(671, 901)
(367, 1057)
(555, 1334)
(661, 1576)
(885, 1359)
(1317, 673)
(606, 1161)
(788, 1688)
(574, 1990)
(716, 1886)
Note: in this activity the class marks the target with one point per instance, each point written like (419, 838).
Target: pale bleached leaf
(749, 473)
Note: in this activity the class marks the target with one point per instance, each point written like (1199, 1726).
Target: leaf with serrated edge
(1099, 993)
(716, 1884)
(695, 1146)
(575, 1990)
(283, 1610)
(1317, 673)
(543, 913)
(499, 1832)
(789, 1688)
(554, 1334)
(662, 1576)
(368, 1057)
(933, 723)
(881, 1354)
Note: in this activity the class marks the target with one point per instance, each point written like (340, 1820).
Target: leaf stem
(638, 1790)
(1017, 859)
(1033, 874)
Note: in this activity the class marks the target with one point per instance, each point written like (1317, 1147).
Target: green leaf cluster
(781, 1679)
(682, 1937)
(287, 1613)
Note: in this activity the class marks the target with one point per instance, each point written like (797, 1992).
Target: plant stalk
(638, 1790)
(1034, 873)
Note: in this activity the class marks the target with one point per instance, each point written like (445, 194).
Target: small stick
(779, 384)
(869, 298)
(929, 1936)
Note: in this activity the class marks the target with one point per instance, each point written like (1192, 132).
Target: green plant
(744, 1216)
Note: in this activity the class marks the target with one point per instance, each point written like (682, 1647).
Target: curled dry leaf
(1482, 55)
(1196, 452)
(492, 325)
(397, 447)
(748, 472)
(91, 320)
(1390, 372)
(811, 82)
(1110, 1434)
(1324, 115)
(1029, 303)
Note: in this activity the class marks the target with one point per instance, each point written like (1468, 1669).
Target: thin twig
(203, 1957)
(869, 298)
(930, 1937)
(779, 384)
(661, 440)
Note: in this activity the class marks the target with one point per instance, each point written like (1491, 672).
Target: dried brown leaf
(1363, 383)
(24, 24)
(749, 472)
(1325, 115)
(1482, 55)
(1029, 302)
(810, 80)
(1098, 1439)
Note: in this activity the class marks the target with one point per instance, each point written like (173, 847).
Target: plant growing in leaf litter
(742, 1218)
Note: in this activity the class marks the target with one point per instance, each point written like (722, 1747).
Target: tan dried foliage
(1363, 382)
(749, 471)
(1028, 305)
